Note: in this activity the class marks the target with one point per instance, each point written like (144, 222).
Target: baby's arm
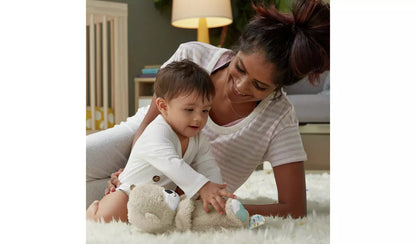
(161, 149)
(159, 146)
(205, 164)
(111, 206)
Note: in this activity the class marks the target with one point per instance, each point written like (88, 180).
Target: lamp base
(203, 34)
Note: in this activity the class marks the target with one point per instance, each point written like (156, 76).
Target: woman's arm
(151, 114)
(290, 182)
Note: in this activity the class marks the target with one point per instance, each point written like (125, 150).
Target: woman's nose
(242, 85)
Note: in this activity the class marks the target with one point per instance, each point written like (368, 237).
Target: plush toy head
(152, 208)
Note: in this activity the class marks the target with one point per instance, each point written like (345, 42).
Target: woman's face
(249, 78)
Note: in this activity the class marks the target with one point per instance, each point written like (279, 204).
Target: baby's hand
(114, 182)
(212, 193)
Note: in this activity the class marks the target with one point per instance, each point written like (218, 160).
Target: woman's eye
(257, 86)
(239, 69)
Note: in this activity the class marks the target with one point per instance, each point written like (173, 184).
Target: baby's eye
(205, 111)
(189, 109)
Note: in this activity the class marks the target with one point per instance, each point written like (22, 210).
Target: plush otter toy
(153, 209)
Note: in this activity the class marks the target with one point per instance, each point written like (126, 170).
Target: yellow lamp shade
(201, 15)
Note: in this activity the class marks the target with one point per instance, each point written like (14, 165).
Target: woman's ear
(162, 105)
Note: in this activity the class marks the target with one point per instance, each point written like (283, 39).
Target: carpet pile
(260, 188)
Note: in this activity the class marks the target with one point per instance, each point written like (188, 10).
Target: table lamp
(201, 15)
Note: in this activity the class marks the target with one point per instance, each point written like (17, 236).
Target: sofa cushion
(311, 108)
(311, 102)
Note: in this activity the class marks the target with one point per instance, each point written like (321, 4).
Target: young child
(171, 151)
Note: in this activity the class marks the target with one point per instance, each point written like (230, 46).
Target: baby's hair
(183, 78)
(297, 44)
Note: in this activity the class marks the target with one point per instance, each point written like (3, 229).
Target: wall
(151, 38)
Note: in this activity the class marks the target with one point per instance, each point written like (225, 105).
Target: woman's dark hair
(183, 78)
(297, 43)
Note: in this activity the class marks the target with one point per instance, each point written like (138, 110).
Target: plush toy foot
(241, 213)
(239, 210)
(256, 221)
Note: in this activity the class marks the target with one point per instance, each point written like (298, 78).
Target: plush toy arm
(183, 217)
(236, 213)
(235, 217)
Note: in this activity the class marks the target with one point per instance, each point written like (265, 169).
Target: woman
(251, 119)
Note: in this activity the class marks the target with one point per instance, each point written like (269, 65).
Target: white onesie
(157, 158)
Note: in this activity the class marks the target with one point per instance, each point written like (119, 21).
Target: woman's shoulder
(202, 50)
(194, 45)
(280, 110)
(203, 54)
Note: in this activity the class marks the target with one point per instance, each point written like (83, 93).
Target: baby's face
(188, 114)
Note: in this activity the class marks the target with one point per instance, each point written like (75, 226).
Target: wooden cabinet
(316, 142)
(143, 91)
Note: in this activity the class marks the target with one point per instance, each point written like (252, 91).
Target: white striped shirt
(269, 133)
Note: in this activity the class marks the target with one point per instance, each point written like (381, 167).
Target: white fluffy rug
(312, 229)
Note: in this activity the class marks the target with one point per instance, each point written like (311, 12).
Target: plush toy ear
(153, 219)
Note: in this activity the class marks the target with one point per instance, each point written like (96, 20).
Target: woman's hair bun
(310, 49)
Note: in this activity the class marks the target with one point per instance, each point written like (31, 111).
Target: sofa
(312, 107)
(311, 102)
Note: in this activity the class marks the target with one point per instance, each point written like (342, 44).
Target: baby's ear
(161, 105)
(152, 218)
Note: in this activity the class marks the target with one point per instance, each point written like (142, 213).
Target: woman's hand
(212, 193)
(113, 183)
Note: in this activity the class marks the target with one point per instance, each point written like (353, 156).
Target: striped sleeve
(286, 146)
(203, 54)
